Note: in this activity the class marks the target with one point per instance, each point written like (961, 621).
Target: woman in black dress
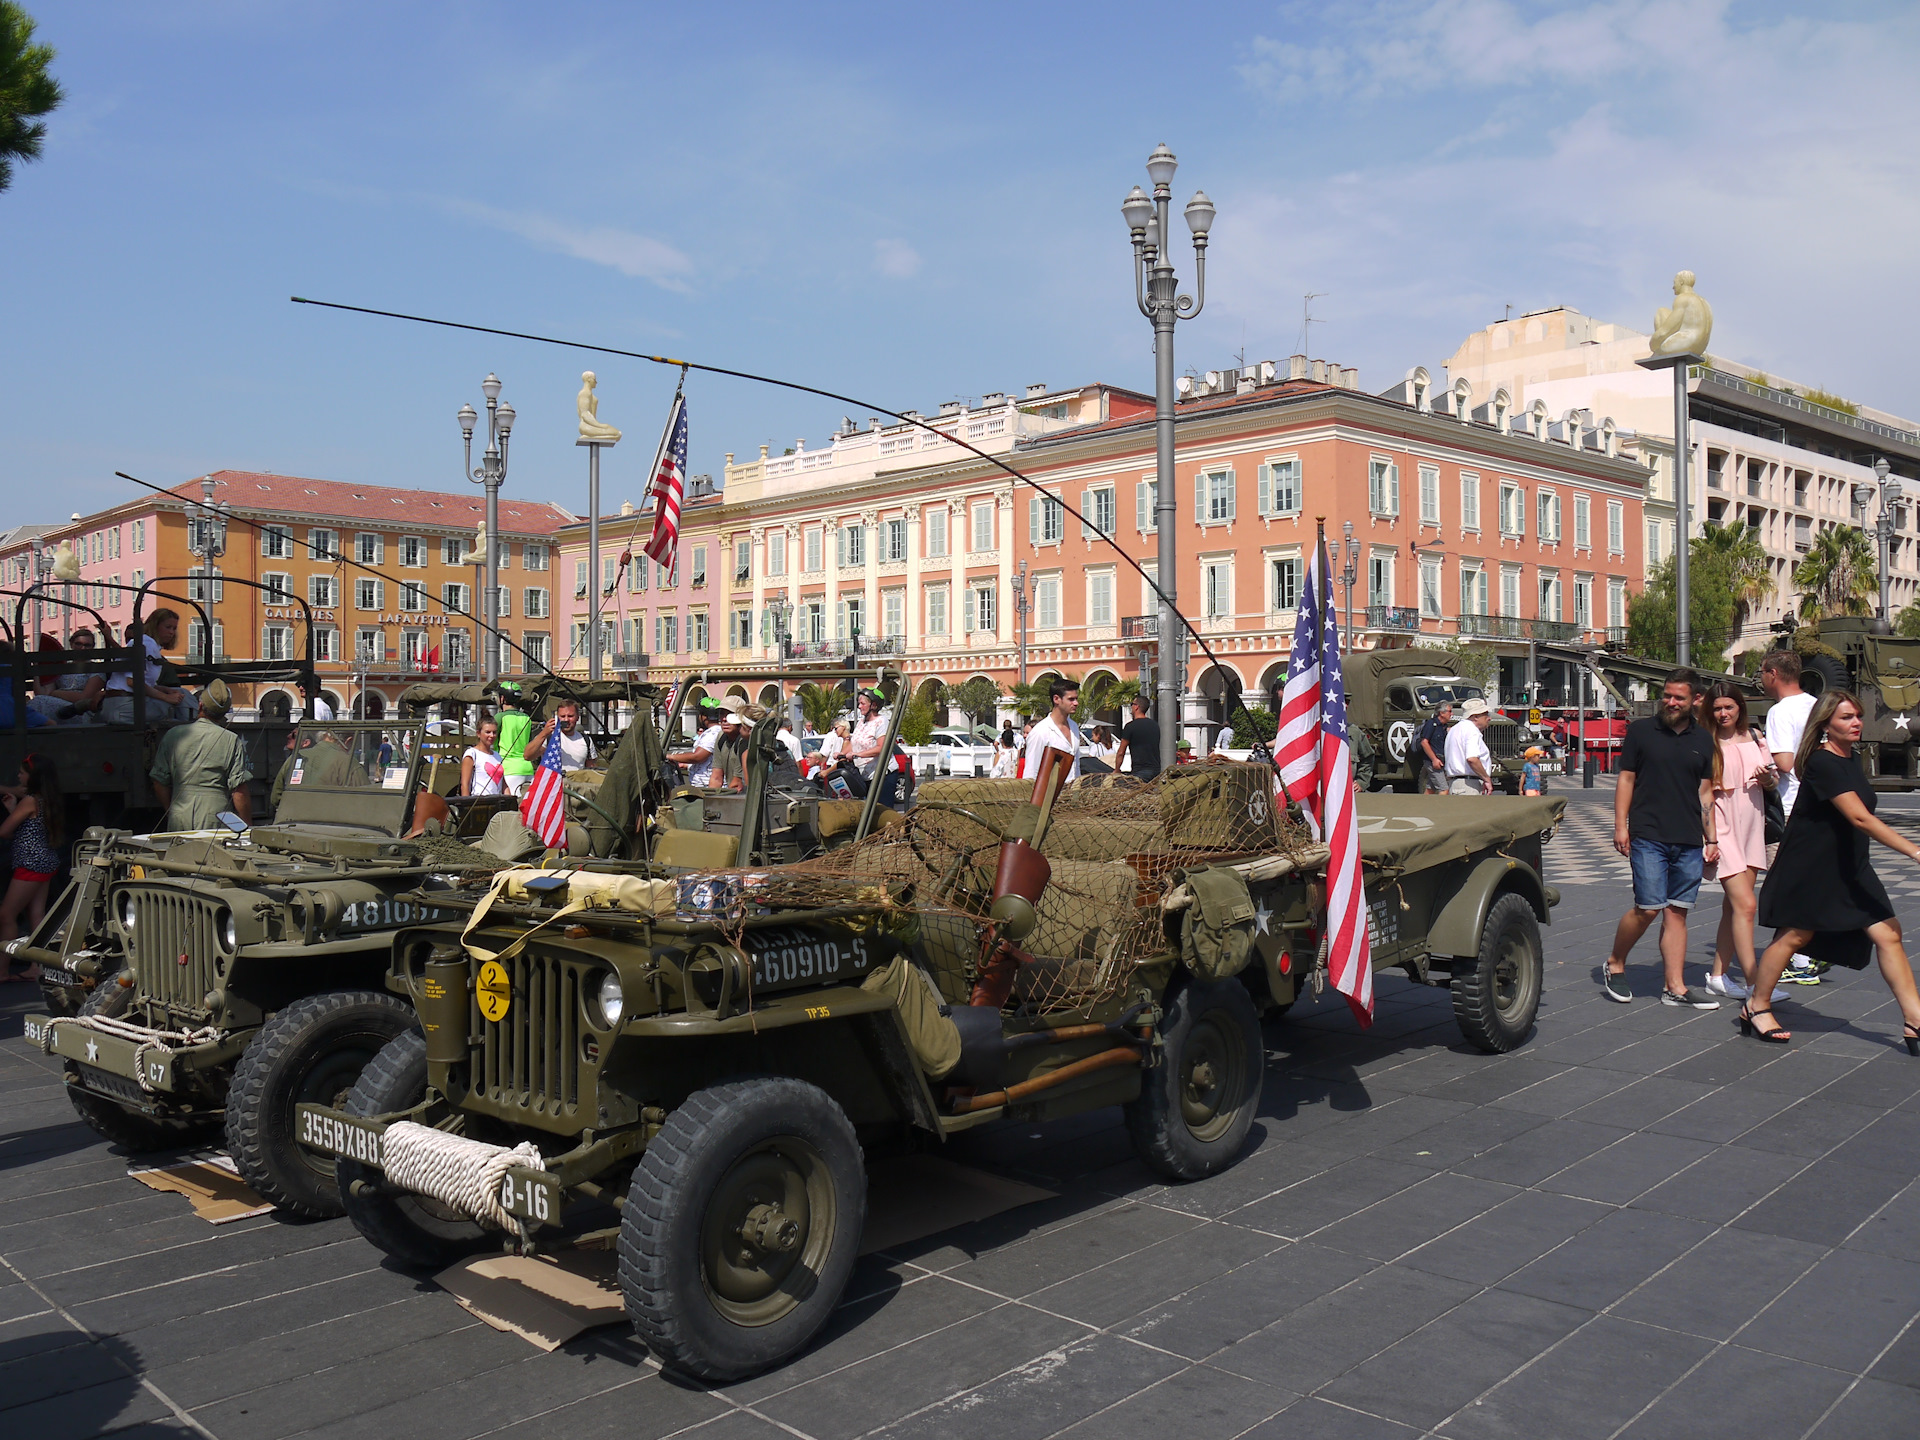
(1822, 880)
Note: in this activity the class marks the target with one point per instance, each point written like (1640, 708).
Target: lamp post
(1350, 576)
(207, 542)
(491, 474)
(1019, 582)
(1891, 496)
(1156, 292)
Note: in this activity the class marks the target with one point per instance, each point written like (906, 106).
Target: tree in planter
(978, 700)
(1748, 570)
(1259, 725)
(916, 725)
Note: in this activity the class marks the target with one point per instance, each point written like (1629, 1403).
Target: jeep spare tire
(741, 1227)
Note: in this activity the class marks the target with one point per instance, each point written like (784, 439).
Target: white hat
(734, 717)
(1475, 707)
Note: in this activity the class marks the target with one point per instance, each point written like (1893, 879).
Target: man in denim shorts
(1662, 822)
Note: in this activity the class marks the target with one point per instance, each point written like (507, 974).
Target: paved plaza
(1638, 1225)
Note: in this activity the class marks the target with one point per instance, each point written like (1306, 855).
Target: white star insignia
(93, 1051)
(1261, 915)
(1900, 721)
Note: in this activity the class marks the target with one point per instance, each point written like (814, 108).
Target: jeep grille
(529, 1061)
(174, 948)
(1503, 739)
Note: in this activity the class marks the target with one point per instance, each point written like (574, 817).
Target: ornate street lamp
(491, 474)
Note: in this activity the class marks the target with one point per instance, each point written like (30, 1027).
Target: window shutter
(1393, 489)
(1375, 500)
(970, 611)
(839, 546)
(1556, 517)
(1141, 510)
(1086, 509)
(1200, 498)
(1263, 489)
(1233, 495)
(266, 541)
(1034, 503)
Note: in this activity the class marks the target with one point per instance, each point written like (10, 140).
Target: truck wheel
(133, 1132)
(1197, 1104)
(1496, 994)
(312, 1052)
(1822, 672)
(741, 1227)
(418, 1232)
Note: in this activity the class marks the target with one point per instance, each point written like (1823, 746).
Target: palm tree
(1104, 692)
(1738, 548)
(821, 705)
(1839, 575)
(27, 91)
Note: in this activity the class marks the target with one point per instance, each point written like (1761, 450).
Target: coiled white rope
(144, 1038)
(456, 1171)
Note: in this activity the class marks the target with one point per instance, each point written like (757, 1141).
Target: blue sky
(907, 203)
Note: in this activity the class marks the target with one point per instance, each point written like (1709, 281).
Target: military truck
(1884, 671)
(216, 981)
(1392, 693)
(693, 1070)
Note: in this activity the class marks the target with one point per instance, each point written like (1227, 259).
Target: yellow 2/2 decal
(493, 991)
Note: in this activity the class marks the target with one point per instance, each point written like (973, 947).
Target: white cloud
(896, 259)
(630, 253)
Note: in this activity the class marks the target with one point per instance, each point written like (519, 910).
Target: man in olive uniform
(201, 769)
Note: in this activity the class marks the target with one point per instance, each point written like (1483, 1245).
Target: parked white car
(955, 752)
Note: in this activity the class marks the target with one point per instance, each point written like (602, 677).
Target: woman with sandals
(1743, 772)
(1822, 880)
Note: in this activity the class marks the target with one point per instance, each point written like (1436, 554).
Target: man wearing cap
(1469, 762)
(870, 733)
(201, 769)
(516, 726)
(730, 760)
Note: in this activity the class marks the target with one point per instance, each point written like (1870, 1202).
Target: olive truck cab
(693, 1069)
(1392, 693)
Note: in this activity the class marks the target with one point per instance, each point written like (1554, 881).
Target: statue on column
(589, 407)
(1683, 330)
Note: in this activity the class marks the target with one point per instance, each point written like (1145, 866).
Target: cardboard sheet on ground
(211, 1184)
(549, 1299)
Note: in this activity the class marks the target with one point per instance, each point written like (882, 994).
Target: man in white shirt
(1056, 730)
(317, 707)
(1469, 762)
(699, 760)
(1787, 720)
(790, 740)
(835, 742)
(575, 748)
(870, 734)
(1223, 741)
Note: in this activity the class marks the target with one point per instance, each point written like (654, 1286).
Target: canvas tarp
(1414, 832)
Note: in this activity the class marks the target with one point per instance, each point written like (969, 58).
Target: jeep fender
(1456, 929)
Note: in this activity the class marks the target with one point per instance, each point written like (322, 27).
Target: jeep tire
(1497, 992)
(420, 1233)
(741, 1227)
(311, 1052)
(133, 1132)
(1198, 1103)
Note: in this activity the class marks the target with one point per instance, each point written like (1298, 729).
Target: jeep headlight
(129, 912)
(228, 933)
(613, 1000)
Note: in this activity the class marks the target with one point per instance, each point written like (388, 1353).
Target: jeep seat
(696, 850)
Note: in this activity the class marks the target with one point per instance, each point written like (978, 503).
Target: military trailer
(692, 1070)
(199, 982)
(1392, 693)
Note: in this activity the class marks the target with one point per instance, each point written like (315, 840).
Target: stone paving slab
(1638, 1224)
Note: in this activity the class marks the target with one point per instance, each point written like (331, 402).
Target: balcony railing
(1393, 617)
(1513, 627)
(631, 660)
(1139, 627)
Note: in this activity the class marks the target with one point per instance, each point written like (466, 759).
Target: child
(33, 822)
(481, 770)
(1532, 781)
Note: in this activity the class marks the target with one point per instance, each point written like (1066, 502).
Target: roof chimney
(1036, 390)
(1296, 367)
(1320, 372)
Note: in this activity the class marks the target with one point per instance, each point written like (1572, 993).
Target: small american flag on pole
(1315, 758)
(669, 485)
(543, 809)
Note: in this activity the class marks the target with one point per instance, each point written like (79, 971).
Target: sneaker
(1728, 986)
(1796, 976)
(1692, 996)
(1615, 987)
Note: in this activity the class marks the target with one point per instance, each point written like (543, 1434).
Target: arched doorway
(770, 696)
(370, 705)
(933, 690)
(276, 706)
(1217, 703)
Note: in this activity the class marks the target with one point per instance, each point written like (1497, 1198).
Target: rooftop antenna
(1307, 320)
(1509, 314)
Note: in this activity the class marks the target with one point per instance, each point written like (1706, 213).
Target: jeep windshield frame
(381, 804)
(1430, 693)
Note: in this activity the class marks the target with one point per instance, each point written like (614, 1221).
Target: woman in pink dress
(1743, 771)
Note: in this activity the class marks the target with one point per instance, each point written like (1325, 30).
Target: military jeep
(215, 980)
(1392, 693)
(693, 1069)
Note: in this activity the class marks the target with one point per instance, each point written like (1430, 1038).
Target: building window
(1549, 597)
(1469, 501)
(1616, 528)
(850, 548)
(1286, 583)
(197, 639)
(1146, 506)
(610, 573)
(1510, 593)
(1617, 604)
(1216, 589)
(539, 648)
(893, 541)
(697, 634)
(740, 637)
(983, 529)
(813, 563)
(1430, 587)
(1429, 495)
(535, 606)
(580, 578)
(636, 575)
(413, 596)
(326, 644)
(699, 575)
(413, 552)
(1100, 511)
(459, 651)
(1383, 487)
(851, 618)
(502, 555)
(742, 561)
(1513, 509)
(777, 552)
(1213, 498)
(1653, 542)
(453, 598)
(368, 548)
(1046, 602)
(1379, 580)
(503, 597)
(816, 622)
(666, 633)
(1582, 522)
(369, 646)
(936, 610)
(139, 536)
(1046, 520)
(981, 601)
(279, 588)
(1473, 590)
(1280, 488)
(1583, 603)
(206, 584)
(1100, 597)
(534, 557)
(936, 523)
(893, 613)
(276, 543)
(1549, 517)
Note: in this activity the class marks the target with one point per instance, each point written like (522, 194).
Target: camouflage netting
(1114, 845)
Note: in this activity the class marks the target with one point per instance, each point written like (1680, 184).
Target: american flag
(543, 809)
(1315, 759)
(669, 485)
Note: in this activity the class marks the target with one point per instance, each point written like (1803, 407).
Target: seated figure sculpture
(589, 406)
(1684, 329)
